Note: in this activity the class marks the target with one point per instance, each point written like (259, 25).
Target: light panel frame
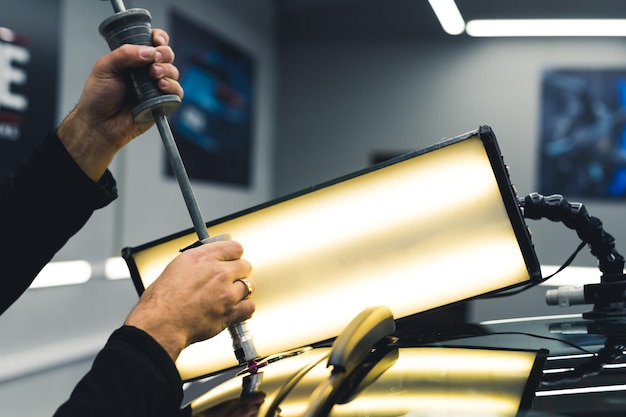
(427, 229)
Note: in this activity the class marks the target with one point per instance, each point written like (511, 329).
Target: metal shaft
(243, 344)
(118, 6)
(242, 341)
(181, 174)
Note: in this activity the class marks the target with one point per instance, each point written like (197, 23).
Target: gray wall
(341, 101)
(49, 337)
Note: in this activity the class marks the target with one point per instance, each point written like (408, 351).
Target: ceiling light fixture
(453, 23)
(449, 16)
(115, 268)
(57, 274)
(546, 27)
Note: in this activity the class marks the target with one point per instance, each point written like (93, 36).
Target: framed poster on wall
(583, 133)
(213, 127)
(29, 49)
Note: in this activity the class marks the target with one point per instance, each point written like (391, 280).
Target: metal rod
(181, 174)
(242, 340)
(118, 6)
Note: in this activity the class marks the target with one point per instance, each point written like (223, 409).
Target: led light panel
(427, 229)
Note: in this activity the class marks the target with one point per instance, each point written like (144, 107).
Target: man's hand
(196, 297)
(102, 123)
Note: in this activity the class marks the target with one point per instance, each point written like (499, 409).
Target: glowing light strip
(565, 357)
(557, 371)
(56, 274)
(546, 27)
(453, 23)
(586, 390)
(116, 268)
(565, 370)
(449, 16)
(523, 319)
(575, 276)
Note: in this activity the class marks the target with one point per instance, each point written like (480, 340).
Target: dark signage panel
(29, 48)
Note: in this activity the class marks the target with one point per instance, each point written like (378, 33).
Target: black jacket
(42, 205)
(131, 376)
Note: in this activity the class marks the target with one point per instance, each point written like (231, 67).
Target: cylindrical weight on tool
(243, 344)
(134, 26)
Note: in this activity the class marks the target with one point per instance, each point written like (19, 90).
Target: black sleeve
(132, 376)
(45, 202)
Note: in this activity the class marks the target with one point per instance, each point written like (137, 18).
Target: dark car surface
(561, 365)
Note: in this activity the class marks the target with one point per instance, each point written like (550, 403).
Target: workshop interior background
(330, 84)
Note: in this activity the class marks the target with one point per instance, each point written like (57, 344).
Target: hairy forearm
(86, 146)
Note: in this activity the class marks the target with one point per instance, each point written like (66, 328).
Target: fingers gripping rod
(133, 26)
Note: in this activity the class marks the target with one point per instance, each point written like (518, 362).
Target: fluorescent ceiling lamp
(449, 16)
(116, 268)
(424, 230)
(56, 274)
(546, 27)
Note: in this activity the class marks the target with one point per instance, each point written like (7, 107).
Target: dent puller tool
(134, 26)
